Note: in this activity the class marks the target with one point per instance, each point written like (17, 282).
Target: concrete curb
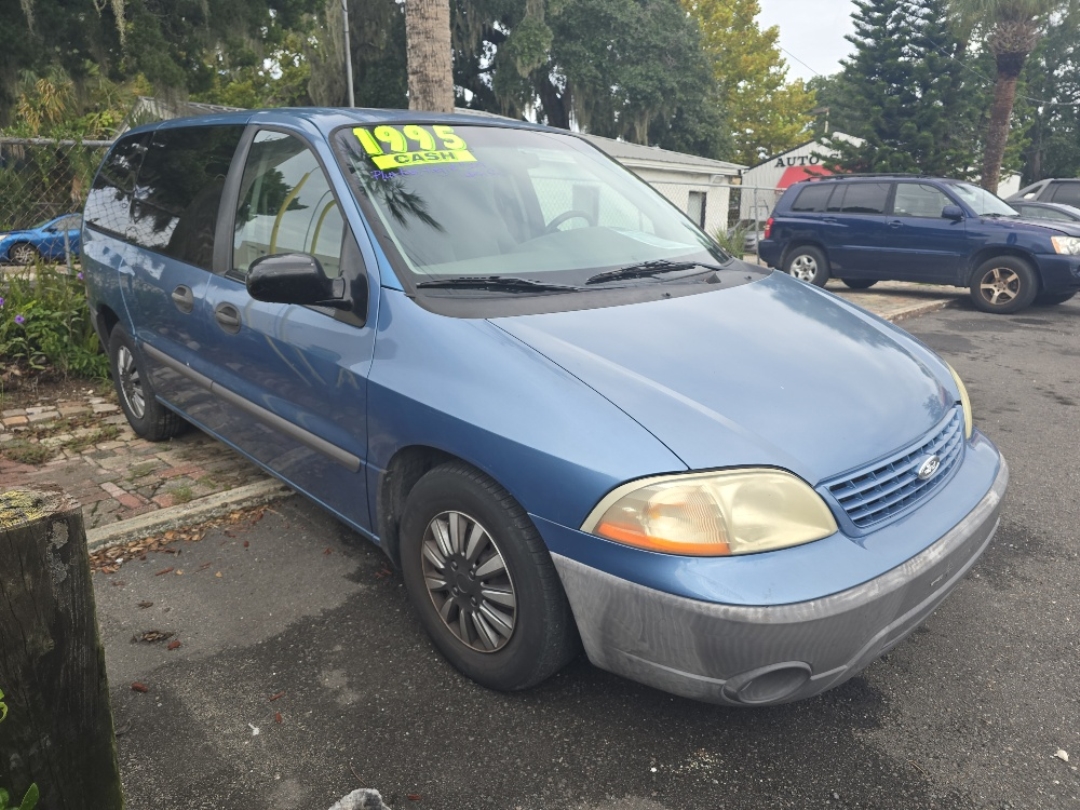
(920, 309)
(187, 514)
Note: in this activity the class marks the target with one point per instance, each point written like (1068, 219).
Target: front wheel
(148, 418)
(1003, 285)
(482, 580)
(23, 253)
(807, 263)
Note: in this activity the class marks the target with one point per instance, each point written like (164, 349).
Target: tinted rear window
(1068, 193)
(179, 191)
(865, 198)
(108, 205)
(812, 199)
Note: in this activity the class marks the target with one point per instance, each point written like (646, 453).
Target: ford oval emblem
(929, 467)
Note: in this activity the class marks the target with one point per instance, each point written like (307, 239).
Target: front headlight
(1069, 245)
(713, 514)
(965, 402)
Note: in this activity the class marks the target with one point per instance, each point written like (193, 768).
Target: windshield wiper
(495, 284)
(646, 269)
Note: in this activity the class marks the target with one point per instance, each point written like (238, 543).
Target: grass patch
(181, 494)
(141, 470)
(103, 434)
(24, 452)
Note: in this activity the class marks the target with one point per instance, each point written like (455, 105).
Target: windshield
(982, 202)
(468, 201)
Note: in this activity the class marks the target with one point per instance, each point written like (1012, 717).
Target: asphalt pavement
(278, 662)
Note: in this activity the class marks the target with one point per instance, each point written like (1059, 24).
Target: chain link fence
(41, 179)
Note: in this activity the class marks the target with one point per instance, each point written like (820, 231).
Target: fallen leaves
(173, 645)
(152, 637)
(277, 696)
(138, 686)
(109, 560)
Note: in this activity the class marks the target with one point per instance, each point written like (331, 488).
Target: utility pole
(348, 52)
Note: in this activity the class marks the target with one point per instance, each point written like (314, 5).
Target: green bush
(30, 799)
(45, 323)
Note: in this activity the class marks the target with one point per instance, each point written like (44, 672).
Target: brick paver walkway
(114, 474)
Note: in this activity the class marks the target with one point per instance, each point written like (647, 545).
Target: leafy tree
(1010, 30)
(630, 69)
(767, 113)
(904, 93)
(1050, 120)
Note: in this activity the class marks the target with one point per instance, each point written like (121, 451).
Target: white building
(699, 186)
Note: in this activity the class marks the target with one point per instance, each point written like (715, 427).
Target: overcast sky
(811, 32)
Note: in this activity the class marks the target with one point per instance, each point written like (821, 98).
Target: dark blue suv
(868, 228)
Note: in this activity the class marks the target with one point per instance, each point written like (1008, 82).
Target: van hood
(772, 373)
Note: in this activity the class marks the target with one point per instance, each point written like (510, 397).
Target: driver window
(286, 206)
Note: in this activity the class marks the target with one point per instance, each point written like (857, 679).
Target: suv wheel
(807, 263)
(1003, 284)
(859, 283)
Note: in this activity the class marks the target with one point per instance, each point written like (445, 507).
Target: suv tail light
(768, 228)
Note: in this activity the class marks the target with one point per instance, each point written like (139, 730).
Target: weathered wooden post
(59, 732)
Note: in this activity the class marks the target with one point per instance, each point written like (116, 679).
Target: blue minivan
(867, 228)
(555, 403)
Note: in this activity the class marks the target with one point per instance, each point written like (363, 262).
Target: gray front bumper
(766, 655)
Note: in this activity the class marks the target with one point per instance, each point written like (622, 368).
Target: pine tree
(905, 93)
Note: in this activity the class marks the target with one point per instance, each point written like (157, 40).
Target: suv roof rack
(858, 175)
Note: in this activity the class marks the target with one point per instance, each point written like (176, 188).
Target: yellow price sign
(397, 147)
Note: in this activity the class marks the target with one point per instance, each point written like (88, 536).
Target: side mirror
(953, 212)
(295, 278)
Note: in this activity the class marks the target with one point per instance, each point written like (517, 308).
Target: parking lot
(302, 673)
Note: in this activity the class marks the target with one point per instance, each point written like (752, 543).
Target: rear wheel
(482, 580)
(148, 418)
(859, 283)
(808, 263)
(1052, 299)
(23, 253)
(1003, 284)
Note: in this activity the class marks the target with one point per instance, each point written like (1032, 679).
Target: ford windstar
(567, 415)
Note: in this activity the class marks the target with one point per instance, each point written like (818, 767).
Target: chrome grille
(887, 488)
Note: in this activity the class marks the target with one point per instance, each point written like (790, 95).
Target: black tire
(1052, 299)
(148, 418)
(807, 263)
(23, 253)
(528, 640)
(1003, 284)
(859, 283)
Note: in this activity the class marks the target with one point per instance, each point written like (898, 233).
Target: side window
(866, 198)
(918, 200)
(1068, 193)
(812, 199)
(108, 205)
(286, 206)
(179, 191)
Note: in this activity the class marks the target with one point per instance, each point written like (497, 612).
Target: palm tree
(427, 49)
(1011, 29)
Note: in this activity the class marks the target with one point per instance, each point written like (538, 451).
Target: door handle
(228, 318)
(829, 220)
(184, 299)
(896, 223)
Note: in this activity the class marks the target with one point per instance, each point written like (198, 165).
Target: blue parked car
(866, 228)
(553, 401)
(43, 241)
